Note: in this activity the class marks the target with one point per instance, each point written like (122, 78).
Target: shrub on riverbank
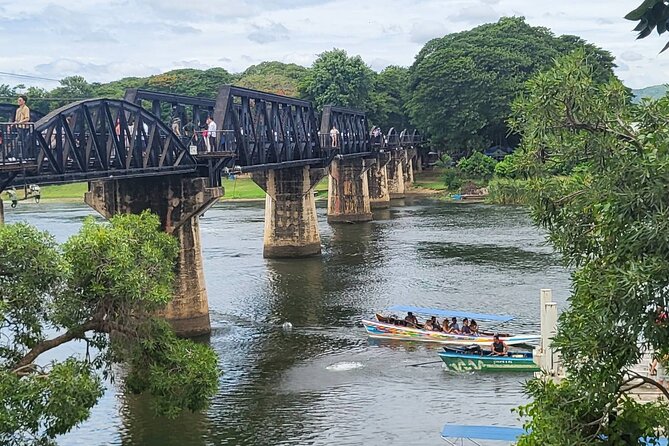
(508, 191)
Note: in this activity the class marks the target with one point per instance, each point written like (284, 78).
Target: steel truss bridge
(152, 133)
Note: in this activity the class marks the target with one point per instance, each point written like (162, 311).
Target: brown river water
(324, 382)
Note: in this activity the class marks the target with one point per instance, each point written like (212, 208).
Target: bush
(508, 191)
(445, 161)
(477, 166)
(452, 179)
(506, 168)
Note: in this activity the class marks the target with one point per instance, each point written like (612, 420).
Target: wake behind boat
(386, 327)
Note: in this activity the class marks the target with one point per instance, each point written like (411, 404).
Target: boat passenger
(454, 328)
(446, 327)
(436, 326)
(428, 325)
(411, 320)
(474, 327)
(498, 347)
(465, 326)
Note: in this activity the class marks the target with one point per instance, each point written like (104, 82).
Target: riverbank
(241, 188)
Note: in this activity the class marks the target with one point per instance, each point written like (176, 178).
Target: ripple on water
(325, 382)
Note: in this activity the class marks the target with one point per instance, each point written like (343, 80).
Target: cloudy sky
(104, 40)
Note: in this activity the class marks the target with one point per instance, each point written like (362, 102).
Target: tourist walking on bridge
(211, 131)
(334, 136)
(21, 117)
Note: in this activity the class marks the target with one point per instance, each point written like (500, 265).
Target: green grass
(73, 191)
(246, 189)
(432, 179)
(238, 189)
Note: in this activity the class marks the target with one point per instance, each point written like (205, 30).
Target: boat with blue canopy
(393, 327)
(457, 434)
(450, 313)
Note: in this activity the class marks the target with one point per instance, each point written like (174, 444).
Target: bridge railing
(17, 144)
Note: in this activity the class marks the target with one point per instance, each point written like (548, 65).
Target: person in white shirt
(211, 133)
(334, 136)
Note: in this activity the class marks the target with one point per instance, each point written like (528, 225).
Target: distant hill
(654, 92)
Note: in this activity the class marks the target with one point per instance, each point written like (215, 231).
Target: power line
(44, 99)
(27, 76)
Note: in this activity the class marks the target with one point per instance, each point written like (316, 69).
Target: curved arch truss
(100, 138)
(8, 111)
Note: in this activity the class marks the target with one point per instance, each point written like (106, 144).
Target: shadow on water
(324, 382)
(485, 255)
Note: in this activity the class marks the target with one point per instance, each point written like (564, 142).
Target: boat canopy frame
(449, 313)
(456, 434)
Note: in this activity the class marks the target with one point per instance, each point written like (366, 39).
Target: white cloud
(631, 56)
(272, 32)
(109, 39)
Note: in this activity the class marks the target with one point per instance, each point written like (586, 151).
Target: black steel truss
(97, 138)
(8, 111)
(266, 129)
(354, 137)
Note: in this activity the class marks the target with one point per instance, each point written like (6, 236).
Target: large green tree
(462, 85)
(337, 79)
(388, 99)
(273, 77)
(610, 222)
(100, 289)
(651, 14)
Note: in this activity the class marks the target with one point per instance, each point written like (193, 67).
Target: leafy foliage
(336, 79)
(273, 77)
(651, 14)
(477, 166)
(609, 222)
(100, 288)
(388, 99)
(462, 85)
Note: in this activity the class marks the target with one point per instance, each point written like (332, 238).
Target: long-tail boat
(388, 327)
(465, 359)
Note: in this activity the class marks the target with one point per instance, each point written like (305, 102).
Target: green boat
(474, 358)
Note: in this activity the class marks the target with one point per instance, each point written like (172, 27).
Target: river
(324, 382)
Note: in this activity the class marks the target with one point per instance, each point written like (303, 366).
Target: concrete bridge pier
(348, 191)
(395, 169)
(407, 166)
(291, 226)
(377, 178)
(418, 164)
(178, 201)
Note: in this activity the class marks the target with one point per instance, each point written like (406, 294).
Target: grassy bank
(508, 191)
(430, 179)
(238, 189)
(241, 188)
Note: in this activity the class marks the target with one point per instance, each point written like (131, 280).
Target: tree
(462, 85)
(610, 224)
(651, 14)
(274, 77)
(101, 289)
(336, 79)
(191, 82)
(388, 99)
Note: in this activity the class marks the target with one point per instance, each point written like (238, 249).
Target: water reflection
(324, 382)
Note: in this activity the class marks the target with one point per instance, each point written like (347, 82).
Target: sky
(105, 40)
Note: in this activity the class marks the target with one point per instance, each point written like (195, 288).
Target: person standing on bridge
(211, 132)
(334, 136)
(21, 117)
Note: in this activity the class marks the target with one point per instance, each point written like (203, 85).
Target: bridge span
(152, 151)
